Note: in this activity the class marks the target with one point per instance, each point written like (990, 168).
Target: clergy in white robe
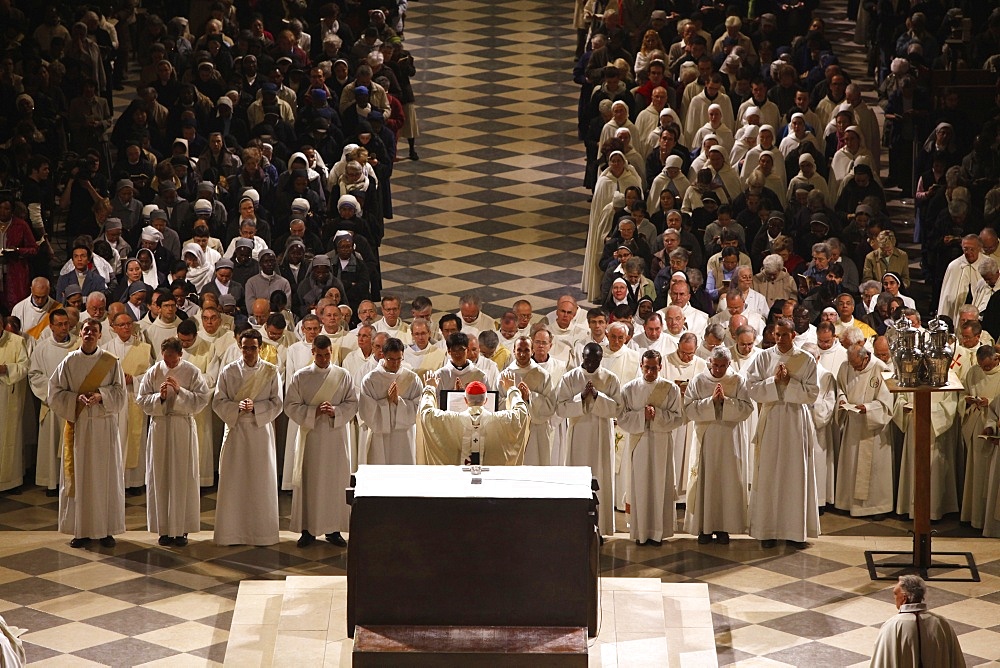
(541, 400)
(961, 277)
(743, 355)
(783, 500)
(616, 179)
(717, 402)
(945, 439)
(198, 351)
(589, 397)
(171, 393)
(680, 367)
(968, 342)
(321, 400)
(982, 387)
(388, 404)
(13, 371)
(458, 371)
(991, 514)
(297, 356)
(135, 357)
(453, 438)
(33, 311)
(248, 399)
(165, 325)
(827, 429)
(422, 356)
(623, 362)
(46, 355)
(359, 363)
(651, 409)
(915, 636)
(87, 391)
(864, 464)
(541, 345)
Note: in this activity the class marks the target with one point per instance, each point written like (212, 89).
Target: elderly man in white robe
(322, 401)
(171, 393)
(783, 502)
(13, 370)
(827, 430)
(541, 345)
(982, 387)
(717, 402)
(47, 354)
(968, 342)
(390, 396)
(623, 361)
(864, 465)
(35, 309)
(135, 357)
(248, 399)
(916, 636)
(680, 367)
(961, 277)
(87, 390)
(651, 409)
(541, 400)
(475, 435)
(589, 397)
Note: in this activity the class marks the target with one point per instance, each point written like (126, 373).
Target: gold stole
(327, 389)
(269, 353)
(102, 367)
(36, 331)
(136, 362)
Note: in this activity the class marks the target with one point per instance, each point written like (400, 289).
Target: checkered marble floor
(141, 604)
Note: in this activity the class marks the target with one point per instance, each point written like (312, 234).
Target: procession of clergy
(755, 434)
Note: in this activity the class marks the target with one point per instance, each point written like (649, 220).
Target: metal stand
(921, 557)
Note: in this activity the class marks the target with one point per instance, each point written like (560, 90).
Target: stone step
(303, 620)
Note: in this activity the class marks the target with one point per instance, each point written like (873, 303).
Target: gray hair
(720, 352)
(488, 339)
(913, 587)
(695, 278)
(716, 330)
(96, 297)
(774, 263)
(468, 300)
(988, 266)
(687, 336)
(821, 247)
(870, 285)
(746, 329)
(851, 336)
(742, 269)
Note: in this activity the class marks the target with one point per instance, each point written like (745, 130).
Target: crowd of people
(219, 318)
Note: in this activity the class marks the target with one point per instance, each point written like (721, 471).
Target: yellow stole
(36, 331)
(105, 363)
(136, 362)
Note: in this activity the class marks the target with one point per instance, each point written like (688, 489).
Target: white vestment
(653, 506)
(590, 440)
(541, 408)
(827, 435)
(246, 512)
(980, 453)
(92, 503)
(159, 331)
(45, 357)
(559, 427)
(717, 495)
(624, 363)
(14, 354)
(135, 358)
(298, 356)
(864, 464)
(991, 514)
(683, 436)
(392, 426)
(173, 501)
(356, 364)
(200, 355)
(783, 499)
(448, 374)
(451, 437)
(958, 286)
(905, 642)
(322, 469)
